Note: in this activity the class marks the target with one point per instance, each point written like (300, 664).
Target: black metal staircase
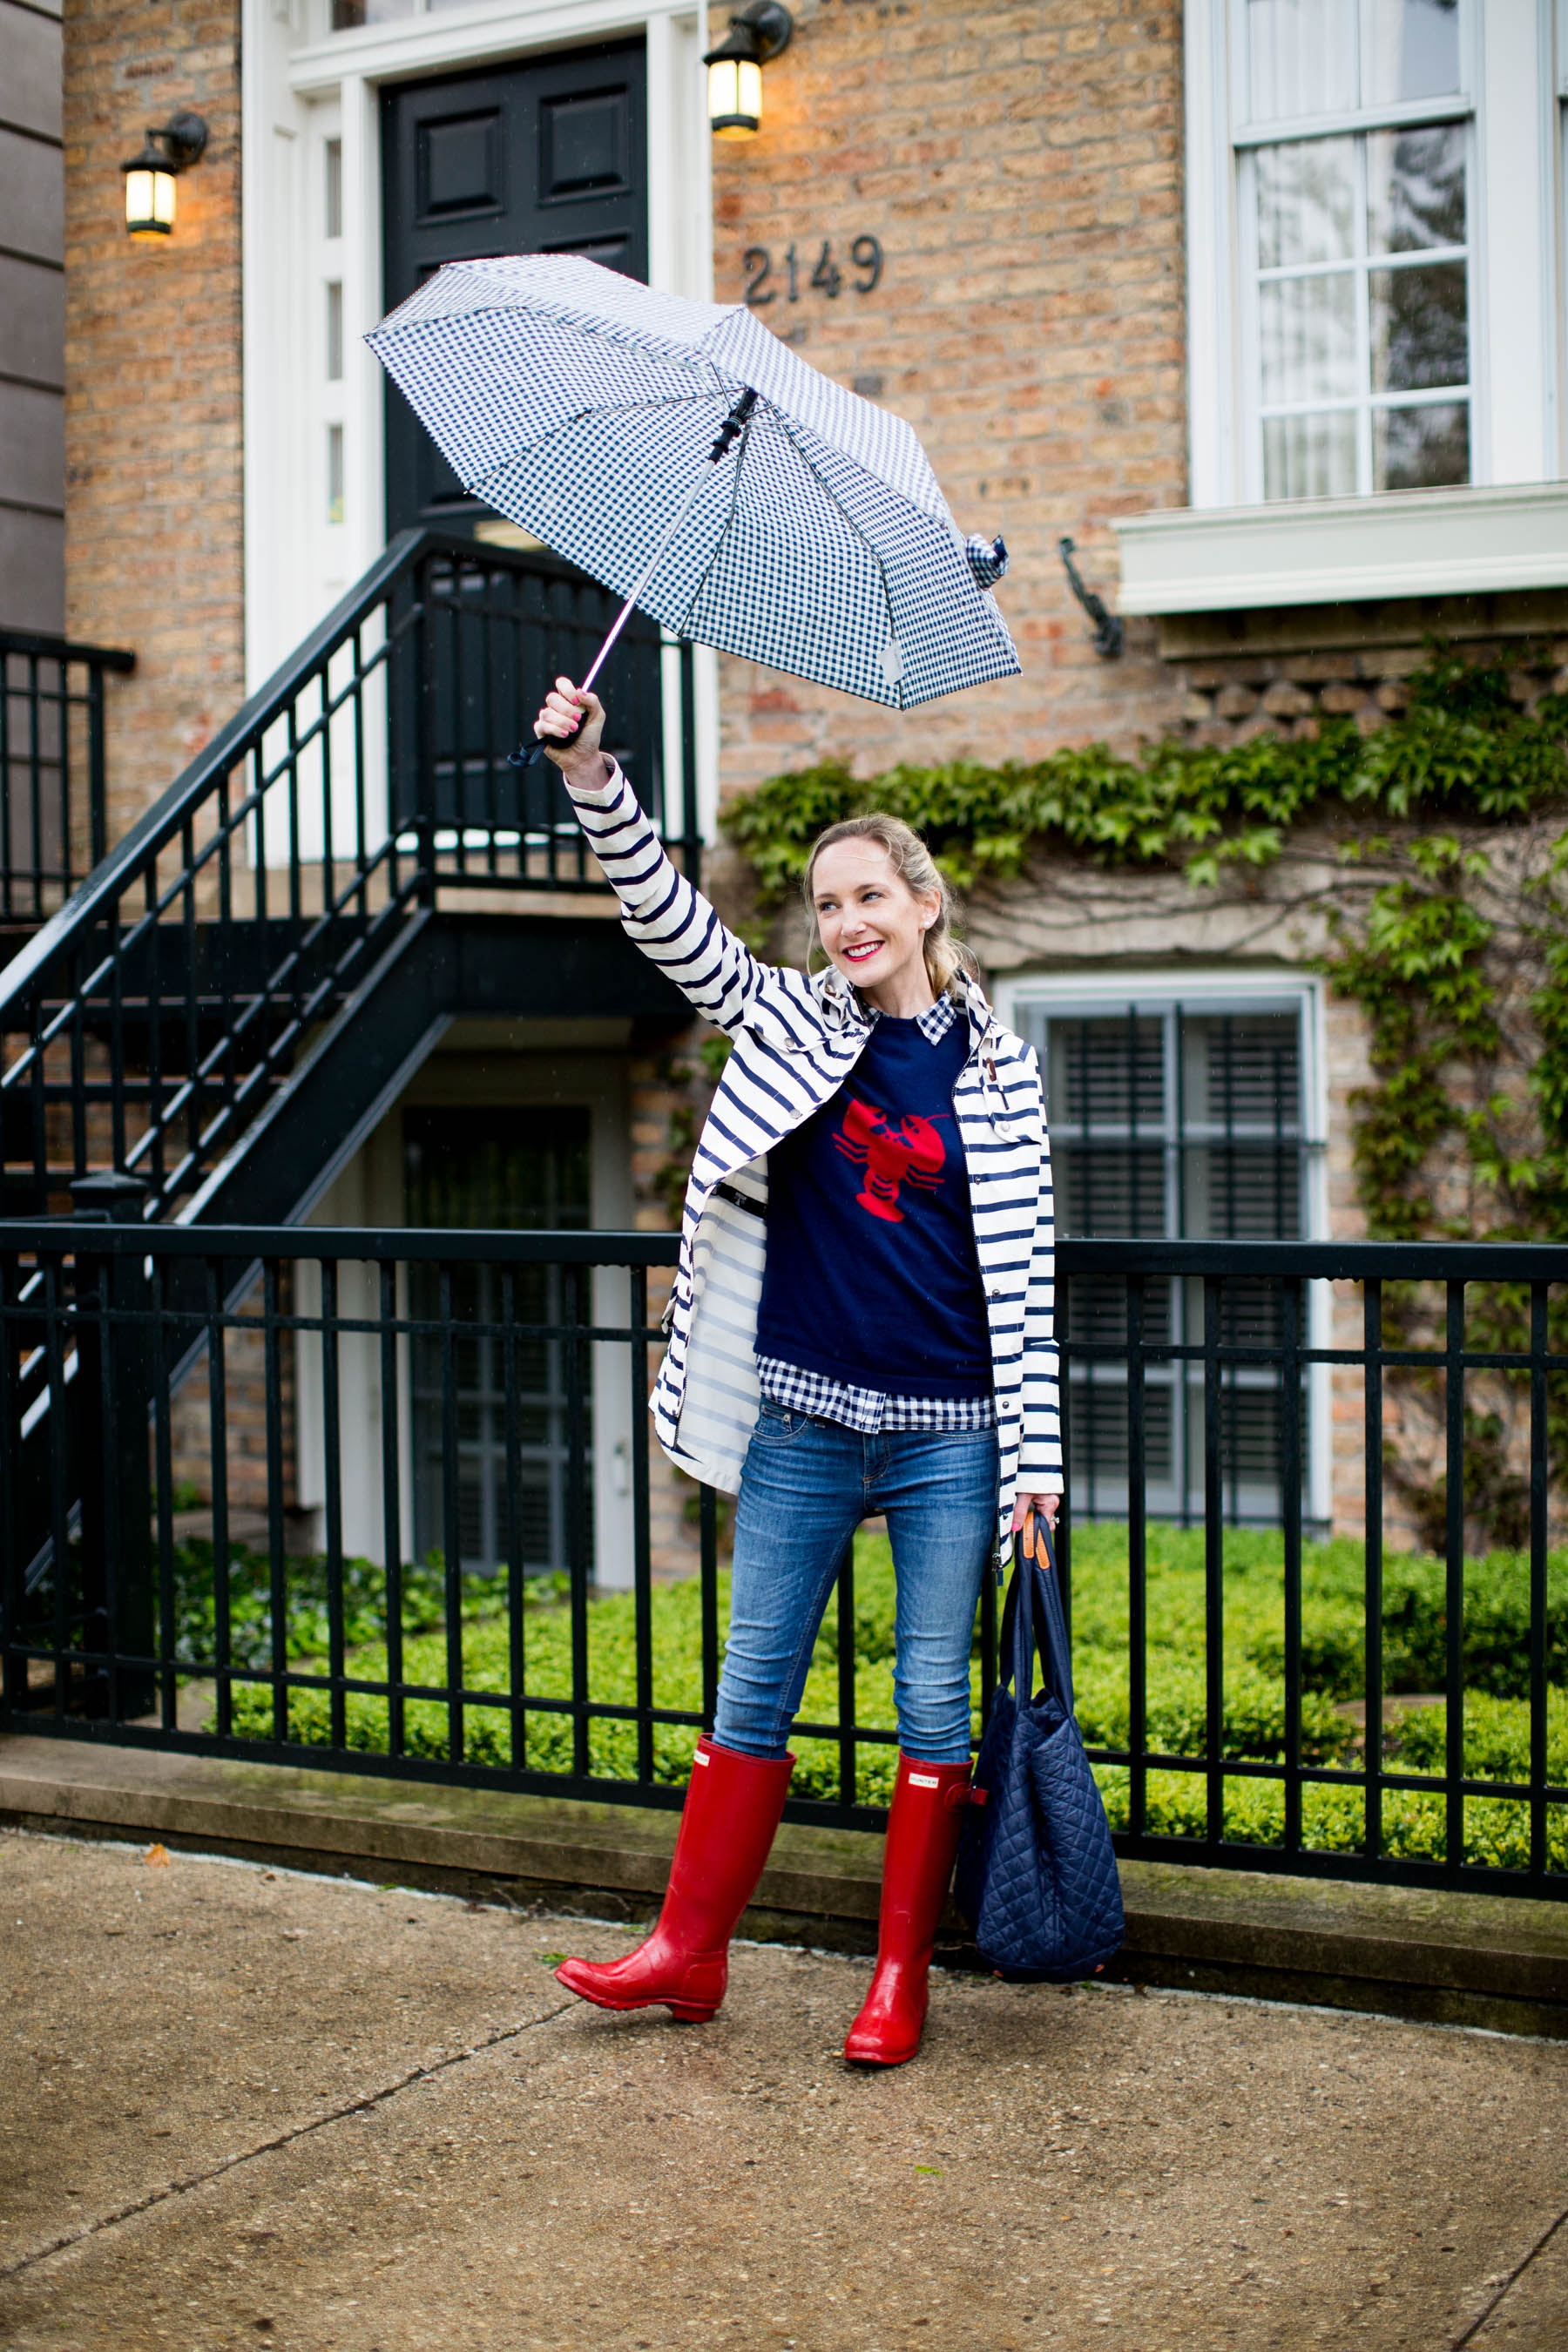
(165, 1008)
(214, 1020)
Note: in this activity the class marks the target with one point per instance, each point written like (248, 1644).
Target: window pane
(1242, 1192)
(1416, 188)
(1306, 338)
(1241, 1175)
(1241, 1075)
(1302, 55)
(1419, 330)
(334, 333)
(1413, 49)
(334, 473)
(1107, 1074)
(497, 1169)
(1106, 1092)
(335, 190)
(1421, 448)
(349, 15)
(1305, 202)
(1308, 456)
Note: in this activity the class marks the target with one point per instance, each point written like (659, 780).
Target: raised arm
(670, 920)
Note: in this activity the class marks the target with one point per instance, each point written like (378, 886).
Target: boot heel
(690, 2012)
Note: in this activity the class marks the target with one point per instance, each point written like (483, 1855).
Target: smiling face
(872, 925)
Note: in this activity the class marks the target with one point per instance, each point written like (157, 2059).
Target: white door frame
(297, 94)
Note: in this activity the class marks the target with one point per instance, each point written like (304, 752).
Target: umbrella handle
(525, 758)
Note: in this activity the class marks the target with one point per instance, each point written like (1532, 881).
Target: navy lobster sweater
(871, 1273)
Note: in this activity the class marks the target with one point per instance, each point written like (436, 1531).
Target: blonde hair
(947, 961)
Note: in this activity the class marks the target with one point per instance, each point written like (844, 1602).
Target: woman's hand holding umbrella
(571, 727)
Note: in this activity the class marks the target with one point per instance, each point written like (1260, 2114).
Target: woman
(862, 1323)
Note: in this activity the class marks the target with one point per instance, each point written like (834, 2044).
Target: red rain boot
(732, 1809)
(922, 1843)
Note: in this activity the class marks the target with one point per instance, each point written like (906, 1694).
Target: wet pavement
(250, 2108)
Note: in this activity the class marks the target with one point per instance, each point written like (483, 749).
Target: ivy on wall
(1462, 749)
(1448, 928)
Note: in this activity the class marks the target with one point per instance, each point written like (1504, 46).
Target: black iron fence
(53, 811)
(212, 1451)
(156, 1014)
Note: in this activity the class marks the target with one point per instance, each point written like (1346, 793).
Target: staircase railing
(152, 1016)
(53, 810)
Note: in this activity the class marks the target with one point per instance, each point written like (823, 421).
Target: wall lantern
(150, 177)
(735, 68)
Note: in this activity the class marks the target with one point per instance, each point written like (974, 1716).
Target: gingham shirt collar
(934, 1022)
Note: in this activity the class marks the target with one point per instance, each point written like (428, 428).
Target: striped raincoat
(797, 1038)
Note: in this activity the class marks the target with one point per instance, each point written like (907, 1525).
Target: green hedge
(1497, 1729)
(1497, 1829)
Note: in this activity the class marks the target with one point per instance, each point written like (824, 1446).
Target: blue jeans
(804, 1488)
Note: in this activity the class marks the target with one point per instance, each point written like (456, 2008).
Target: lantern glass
(149, 202)
(734, 97)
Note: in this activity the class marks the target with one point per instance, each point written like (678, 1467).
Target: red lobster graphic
(888, 1154)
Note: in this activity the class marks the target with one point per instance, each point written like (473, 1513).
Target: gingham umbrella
(681, 454)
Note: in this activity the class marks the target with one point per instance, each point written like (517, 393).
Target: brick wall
(1021, 167)
(153, 531)
(245, 1454)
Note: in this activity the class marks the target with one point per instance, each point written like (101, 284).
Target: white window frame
(1554, 74)
(302, 84)
(1508, 48)
(1097, 993)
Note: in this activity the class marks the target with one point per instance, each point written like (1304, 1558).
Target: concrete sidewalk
(1409, 1951)
(246, 2107)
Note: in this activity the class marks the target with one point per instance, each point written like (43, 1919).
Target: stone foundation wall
(1244, 675)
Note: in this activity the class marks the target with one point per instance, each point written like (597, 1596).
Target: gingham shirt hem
(868, 1410)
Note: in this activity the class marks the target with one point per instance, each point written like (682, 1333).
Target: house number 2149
(827, 278)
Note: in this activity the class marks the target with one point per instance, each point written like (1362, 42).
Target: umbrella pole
(733, 425)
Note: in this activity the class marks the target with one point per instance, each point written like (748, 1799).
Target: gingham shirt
(794, 1390)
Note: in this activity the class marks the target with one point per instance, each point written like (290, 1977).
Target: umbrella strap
(733, 425)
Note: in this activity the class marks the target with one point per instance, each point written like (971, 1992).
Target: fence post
(691, 817)
(425, 717)
(97, 777)
(113, 1393)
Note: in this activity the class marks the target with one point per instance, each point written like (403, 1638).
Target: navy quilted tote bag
(1036, 1873)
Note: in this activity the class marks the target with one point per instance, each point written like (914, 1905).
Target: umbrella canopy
(587, 407)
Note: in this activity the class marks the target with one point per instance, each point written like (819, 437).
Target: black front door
(544, 157)
(537, 158)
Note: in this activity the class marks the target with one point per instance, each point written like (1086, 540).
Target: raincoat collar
(843, 1010)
